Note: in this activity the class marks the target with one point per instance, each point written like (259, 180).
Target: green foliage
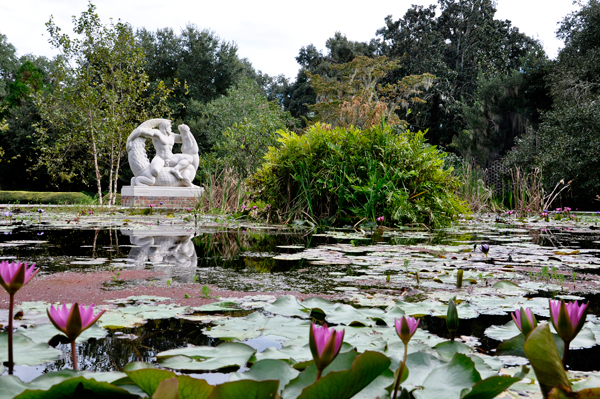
(352, 174)
(455, 43)
(239, 127)
(567, 143)
(96, 101)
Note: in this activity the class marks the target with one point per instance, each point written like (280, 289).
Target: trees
(204, 64)
(96, 100)
(455, 46)
(355, 97)
(567, 144)
(341, 50)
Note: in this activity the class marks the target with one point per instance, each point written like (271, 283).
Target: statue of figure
(166, 168)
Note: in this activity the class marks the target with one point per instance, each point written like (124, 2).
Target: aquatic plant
(452, 318)
(13, 276)
(325, 344)
(568, 319)
(405, 328)
(485, 248)
(72, 322)
(525, 320)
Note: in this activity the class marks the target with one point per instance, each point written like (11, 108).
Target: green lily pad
(268, 369)
(255, 325)
(450, 380)
(226, 306)
(27, 352)
(206, 357)
(43, 333)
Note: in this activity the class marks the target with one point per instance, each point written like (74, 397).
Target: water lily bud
(525, 321)
(325, 344)
(485, 248)
(459, 278)
(406, 327)
(452, 318)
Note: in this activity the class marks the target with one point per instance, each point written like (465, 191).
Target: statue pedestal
(171, 197)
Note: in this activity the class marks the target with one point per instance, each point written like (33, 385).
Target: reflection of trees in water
(238, 250)
(112, 353)
(62, 245)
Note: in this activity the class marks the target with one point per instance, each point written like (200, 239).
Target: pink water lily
(525, 321)
(12, 277)
(15, 275)
(568, 319)
(406, 327)
(73, 321)
(325, 344)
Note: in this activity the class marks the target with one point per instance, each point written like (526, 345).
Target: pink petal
(339, 338)
(516, 316)
(555, 309)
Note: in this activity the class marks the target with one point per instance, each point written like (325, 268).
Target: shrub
(349, 174)
(33, 197)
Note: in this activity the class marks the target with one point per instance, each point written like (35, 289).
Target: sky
(268, 33)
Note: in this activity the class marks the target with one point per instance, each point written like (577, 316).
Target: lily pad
(27, 352)
(206, 357)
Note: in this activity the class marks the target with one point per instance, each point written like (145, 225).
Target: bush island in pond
(349, 174)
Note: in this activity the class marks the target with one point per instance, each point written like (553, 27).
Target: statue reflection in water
(167, 251)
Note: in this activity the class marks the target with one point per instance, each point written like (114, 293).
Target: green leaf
(490, 387)
(545, 360)
(44, 332)
(26, 352)
(246, 389)
(77, 387)
(345, 384)
(206, 357)
(449, 381)
(193, 388)
(167, 389)
(268, 369)
(149, 379)
(342, 362)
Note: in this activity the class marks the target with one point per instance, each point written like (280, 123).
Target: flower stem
(11, 363)
(319, 372)
(74, 354)
(566, 354)
(402, 365)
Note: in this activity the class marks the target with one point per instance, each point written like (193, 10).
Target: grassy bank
(42, 197)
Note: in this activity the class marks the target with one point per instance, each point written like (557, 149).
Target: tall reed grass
(224, 192)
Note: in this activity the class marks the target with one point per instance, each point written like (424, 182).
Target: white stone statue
(166, 169)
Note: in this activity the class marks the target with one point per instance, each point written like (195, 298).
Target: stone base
(171, 197)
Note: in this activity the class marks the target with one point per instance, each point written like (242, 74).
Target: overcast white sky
(269, 33)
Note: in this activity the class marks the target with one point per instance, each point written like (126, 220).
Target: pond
(170, 280)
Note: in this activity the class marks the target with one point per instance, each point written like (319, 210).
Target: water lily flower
(405, 328)
(325, 344)
(525, 321)
(568, 319)
(485, 248)
(13, 276)
(73, 321)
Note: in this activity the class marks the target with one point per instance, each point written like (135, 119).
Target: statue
(166, 169)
